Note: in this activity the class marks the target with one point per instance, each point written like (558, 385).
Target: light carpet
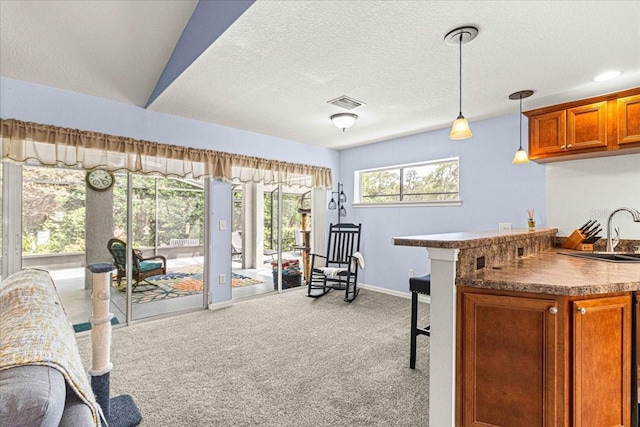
(280, 360)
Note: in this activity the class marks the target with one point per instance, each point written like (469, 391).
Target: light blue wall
(491, 188)
(41, 104)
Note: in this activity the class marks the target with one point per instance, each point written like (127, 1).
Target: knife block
(576, 241)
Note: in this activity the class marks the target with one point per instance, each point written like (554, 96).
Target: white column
(442, 348)
(101, 321)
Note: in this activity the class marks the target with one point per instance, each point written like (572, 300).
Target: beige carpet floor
(282, 360)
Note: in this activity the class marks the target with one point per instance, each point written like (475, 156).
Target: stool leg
(414, 329)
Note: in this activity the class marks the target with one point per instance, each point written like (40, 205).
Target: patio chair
(339, 268)
(142, 267)
(236, 247)
(236, 244)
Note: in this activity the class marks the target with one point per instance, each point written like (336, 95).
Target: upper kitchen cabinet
(595, 127)
(628, 120)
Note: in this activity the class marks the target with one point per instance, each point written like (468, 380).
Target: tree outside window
(433, 181)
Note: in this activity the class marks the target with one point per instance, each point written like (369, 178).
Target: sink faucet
(635, 214)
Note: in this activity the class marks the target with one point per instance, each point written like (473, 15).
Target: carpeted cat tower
(119, 411)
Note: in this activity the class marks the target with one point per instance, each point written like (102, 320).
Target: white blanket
(357, 260)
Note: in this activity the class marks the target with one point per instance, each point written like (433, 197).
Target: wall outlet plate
(504, 226)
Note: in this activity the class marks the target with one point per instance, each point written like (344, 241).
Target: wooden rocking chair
(339, 268)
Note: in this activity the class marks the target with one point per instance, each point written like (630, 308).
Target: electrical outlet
(222, 279)
(410, 272)
(504, 226)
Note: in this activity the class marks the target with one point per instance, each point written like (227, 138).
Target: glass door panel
(53, 234)
(168, 237)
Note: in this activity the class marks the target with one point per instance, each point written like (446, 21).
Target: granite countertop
(464, 240)
(549, 272)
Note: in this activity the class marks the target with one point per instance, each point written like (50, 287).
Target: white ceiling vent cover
(346, 102)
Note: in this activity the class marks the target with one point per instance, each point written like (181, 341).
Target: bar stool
(417, 285)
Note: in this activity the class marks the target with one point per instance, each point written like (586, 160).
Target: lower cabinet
(543, 360)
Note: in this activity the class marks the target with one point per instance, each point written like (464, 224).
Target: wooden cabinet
(595, 127)
(510, 361)
(548, 134)
(628, 110)
(602, 362)
(543, 360)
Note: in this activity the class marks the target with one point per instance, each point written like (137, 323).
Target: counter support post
(442, 319)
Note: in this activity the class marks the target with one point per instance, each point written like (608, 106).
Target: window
(435, 182)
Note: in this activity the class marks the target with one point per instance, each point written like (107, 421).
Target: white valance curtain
(25, 142)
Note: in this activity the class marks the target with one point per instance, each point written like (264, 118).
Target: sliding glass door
(166, 224)
(270, 223)
(53, 221)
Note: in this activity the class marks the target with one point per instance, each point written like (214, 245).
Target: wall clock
(99, 179)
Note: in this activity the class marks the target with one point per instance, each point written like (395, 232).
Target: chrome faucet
(635, 214)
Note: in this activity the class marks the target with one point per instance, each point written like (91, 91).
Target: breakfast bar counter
(533, 334)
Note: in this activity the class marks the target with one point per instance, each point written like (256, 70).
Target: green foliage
(427, 182)
(291, 219)
(54, 210)
(53, 206)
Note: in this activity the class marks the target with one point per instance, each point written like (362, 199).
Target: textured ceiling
(274, 69)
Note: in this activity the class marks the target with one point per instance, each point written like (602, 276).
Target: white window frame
(397, 203)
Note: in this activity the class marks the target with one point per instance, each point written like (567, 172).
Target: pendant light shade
(460, 128)
(520, 157)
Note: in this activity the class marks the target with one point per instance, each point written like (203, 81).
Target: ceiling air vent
(346, 102)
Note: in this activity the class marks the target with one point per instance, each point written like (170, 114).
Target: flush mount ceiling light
(344, 120)
(459, 36)
(608, 75)
(521, 157)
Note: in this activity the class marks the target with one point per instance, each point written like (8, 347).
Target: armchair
(142, 267)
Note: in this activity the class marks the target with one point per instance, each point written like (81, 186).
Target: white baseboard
(220, 305)
(421, 298)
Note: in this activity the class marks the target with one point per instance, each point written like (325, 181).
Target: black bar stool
(417, 285)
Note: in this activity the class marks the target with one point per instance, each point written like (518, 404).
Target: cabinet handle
(563, 147)
(553, 310)
(582, 310)
(568, 146)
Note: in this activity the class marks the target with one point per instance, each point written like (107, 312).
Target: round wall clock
(99, 179)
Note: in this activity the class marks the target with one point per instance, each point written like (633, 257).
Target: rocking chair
(142, 267)
(339, 268)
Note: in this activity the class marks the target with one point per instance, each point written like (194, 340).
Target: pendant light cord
(460, 79)
(520, 121)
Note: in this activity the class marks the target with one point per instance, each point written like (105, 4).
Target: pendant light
(521, 157)
(460, 128)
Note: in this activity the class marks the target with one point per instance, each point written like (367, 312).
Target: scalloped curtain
(27, 142)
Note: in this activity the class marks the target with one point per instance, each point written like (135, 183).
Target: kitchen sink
(606, 256)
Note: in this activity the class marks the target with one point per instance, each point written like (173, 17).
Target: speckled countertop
(549, 272)
(471, 239)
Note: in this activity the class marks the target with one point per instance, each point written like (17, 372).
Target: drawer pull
(553, 310)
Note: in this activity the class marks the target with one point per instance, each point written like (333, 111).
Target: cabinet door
(602, 365)
(587, 127)
(629, 120)
(547, 134)
(510, 361)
